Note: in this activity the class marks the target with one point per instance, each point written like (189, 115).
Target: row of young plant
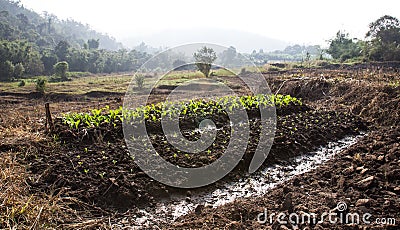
(155, 112)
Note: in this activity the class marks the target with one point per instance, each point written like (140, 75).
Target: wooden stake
(49, 121)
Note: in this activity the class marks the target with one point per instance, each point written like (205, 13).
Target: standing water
(256, 184)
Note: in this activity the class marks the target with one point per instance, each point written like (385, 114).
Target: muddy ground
(105, 183)
(365, 177)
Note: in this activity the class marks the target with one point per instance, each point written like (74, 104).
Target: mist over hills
(46, 30)
(242, 41)
(34, 43)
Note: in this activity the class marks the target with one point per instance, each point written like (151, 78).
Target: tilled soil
(366, 177)
(95, 166)
(98, 170)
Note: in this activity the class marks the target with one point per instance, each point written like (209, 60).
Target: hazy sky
(297, 21)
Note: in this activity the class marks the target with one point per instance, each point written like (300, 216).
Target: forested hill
(17, 22)
(32, 45)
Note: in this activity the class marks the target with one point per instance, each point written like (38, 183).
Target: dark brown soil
(95, 167)
(366, 177)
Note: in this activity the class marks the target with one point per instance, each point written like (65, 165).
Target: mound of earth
(95, 166)
(366, 177)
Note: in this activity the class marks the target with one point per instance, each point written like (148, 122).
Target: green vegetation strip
(155, 112)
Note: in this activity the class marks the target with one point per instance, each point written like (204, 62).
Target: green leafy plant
(192, 108)
(41, 85)
(21, 83)
(139, 79)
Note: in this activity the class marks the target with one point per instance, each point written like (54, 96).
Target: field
(80, 175)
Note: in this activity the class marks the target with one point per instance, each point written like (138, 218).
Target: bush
(272, 68)
(41, 85)
(21, 83)
(61, 69)
(139, 79)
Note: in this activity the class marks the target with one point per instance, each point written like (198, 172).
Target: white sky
(302, 22)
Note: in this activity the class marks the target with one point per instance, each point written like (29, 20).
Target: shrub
(41, 85)
(61, 69)
(139, 79)
(272, 68)
(21, 83)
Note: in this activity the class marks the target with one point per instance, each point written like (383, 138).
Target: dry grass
(21, 129)
(18, 208)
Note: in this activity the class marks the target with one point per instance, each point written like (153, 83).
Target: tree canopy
(342, 47)
(382, 42)
(384, 39)
(204, 58)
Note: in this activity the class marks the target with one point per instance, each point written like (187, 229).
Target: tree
(6, 70)
(61, 50)
(204, 58)
(228, 56)
(342, 47)
(384, 39)
(78, 60)
(19, 70)
(93, 44)
(24, 21)
(308, 58)
(179, 64)
(61, 69)
(49, 60)
(386, 28)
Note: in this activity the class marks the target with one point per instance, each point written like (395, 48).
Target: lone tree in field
(204, 57)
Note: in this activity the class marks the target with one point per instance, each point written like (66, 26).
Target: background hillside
(17, 22)
(31, 45)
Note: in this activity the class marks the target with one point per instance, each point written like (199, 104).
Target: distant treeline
(31, 44)
(46, 30)
(382, 43)
(20, 58)
(295, 53)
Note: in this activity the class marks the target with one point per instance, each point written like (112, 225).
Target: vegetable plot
(192, 108)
